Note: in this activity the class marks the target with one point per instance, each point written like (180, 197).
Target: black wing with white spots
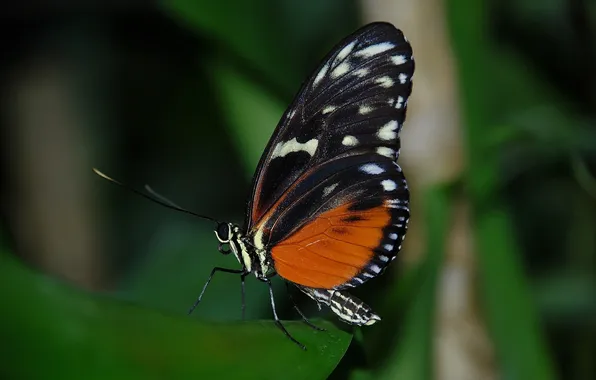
(353, 104)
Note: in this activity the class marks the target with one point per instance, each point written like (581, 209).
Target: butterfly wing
(354, 223)
(328, 196)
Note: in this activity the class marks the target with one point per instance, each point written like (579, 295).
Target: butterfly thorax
(251, 258)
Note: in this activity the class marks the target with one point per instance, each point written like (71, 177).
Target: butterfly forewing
(362, 85)
(329, 201)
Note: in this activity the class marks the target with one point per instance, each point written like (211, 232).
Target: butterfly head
(224, 233)
(231, 240)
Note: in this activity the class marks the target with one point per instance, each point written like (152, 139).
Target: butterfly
(329, 206)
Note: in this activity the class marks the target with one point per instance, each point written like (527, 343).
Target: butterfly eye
(223, 232)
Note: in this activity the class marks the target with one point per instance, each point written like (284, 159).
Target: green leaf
(177, 266)
(564, 297)
(251, 112)
(245, 27)
(50, 330)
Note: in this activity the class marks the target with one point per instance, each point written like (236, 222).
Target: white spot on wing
(388, 247)
(393, 236)
(345, 51)
(384, 151)
(399, 207)
(363, 110)
(374, 49)
(321, 74)
(395, 202)
(361, 72)
(329, 109)
(340, 70)
(398, 59)
(372, 169)
(385, 81)
(284, 148)
(387, 132)
(349, 141)
(389, 185)
(329, 189)
(400, 102)
(375, 268)
(402, 78)
(383, 258)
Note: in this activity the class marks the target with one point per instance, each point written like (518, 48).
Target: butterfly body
(252, 259)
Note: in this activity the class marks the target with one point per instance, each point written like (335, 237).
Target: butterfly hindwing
(342, 228)
(354, 103)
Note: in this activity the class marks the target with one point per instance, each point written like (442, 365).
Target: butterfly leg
(242, 278)
(216, 269)
(309, 323)
(277, 321)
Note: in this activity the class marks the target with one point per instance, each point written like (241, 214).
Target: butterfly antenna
(154, 197)
(160, 197)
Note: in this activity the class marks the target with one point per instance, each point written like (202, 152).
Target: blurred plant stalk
(433, 155)
(49, 195)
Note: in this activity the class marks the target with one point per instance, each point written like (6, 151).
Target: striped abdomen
(347, 307)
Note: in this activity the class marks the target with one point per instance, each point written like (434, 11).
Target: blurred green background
(497, 277)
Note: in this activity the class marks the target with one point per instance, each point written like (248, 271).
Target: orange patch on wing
(332, 249)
